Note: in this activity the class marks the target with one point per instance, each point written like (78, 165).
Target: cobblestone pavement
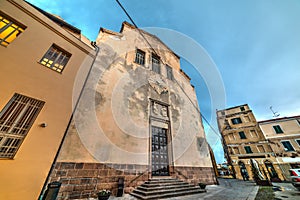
(228, 189)
(286, 191)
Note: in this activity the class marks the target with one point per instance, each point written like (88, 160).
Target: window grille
(140, 57)
(155, 64)
(15, 121)
(55, 58)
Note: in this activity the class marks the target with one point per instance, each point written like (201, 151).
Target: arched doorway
(243, 171)
(271, 171)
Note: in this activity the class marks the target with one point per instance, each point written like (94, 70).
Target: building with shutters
(283, 135)
(243, 140)
(41, 57)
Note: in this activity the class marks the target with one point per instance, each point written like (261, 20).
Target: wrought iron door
(160, 163)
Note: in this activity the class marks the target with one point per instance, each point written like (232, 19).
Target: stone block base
(195, 175)
(83, 180)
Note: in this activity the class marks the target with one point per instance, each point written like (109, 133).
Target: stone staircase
(158, 188)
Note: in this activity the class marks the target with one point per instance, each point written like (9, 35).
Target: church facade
(138, 119)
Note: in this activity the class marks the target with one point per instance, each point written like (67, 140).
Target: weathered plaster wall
(118, 99)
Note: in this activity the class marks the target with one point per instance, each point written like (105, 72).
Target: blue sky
(254, 44)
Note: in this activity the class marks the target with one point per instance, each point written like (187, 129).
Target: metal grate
(15, 121)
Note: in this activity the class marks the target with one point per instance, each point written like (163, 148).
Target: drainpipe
(69, 123)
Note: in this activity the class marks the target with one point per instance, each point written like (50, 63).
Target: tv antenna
(275, 114)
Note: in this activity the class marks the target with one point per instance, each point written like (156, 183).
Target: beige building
(138, 119)
(283, 135)
(243, 140)
(40, 57)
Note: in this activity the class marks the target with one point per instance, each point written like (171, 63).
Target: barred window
(9, 29)
(56, 58)
(169, 72)
(140, 57)
(15, 121)
(155, 64)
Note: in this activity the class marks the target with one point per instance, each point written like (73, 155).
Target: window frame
(12, 23)
(252, 131)
(60, 51)
(138, 58)
(170, 75)
(246, 147)
(238, 119)
(242, 133)
(289, 143)
(16, 120)
(154, 67)
(277, 131)
(238, 150)
(260, 145)
(296, 140)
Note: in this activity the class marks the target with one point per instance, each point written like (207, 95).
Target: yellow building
(283, 135)
(40, 57)
(243, 140)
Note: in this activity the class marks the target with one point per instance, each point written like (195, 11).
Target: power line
(140, 32)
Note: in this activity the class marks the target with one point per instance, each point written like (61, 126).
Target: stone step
(157, 188)
(161, 181)
(157, 184)
(165, 190)
(145, 185)
(168, 195)
(184, 185)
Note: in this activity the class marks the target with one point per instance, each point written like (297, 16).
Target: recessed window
(242, 108)
(253, 133)
(231, 136)
(236, 120)
(277, 129)
(248, 149)
(15, 121)
(261, 148)
(56, 58)
(155, 64)
(298, 142)
(247, 118)
(236, 150)
(242, 135)
(140, 57)
(169, 72)
(9, 29)
(287, 146)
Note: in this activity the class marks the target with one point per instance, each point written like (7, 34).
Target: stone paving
(228, 189)
(286, 191)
